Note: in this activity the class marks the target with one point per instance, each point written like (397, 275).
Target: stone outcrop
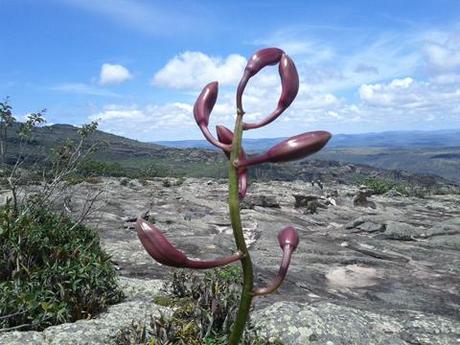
(361, 275)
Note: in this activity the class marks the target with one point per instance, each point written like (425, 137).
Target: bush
(101, 168)
(204, 310)
(52, 270)
(382, 186)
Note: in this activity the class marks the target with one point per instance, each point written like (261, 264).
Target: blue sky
(137, 66)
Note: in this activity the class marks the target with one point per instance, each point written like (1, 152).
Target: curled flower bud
(262, 58)
(289, 82)
(202, 111)
(160, 249)
(289, 89)
(296, 147)
(225, 136)
(288, 240)
(242, 183)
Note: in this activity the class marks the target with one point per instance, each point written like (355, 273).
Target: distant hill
(332, 164)
(130, 154)
(418, 139)
(422, 152)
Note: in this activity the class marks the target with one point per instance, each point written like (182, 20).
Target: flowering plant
(296, 147)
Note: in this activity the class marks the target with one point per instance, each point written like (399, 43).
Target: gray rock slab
(327, 323)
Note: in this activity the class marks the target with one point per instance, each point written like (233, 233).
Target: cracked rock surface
(388, 274)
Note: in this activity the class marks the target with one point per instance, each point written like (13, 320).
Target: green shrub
(382, 186)
(52, 270)
(205, 308)
(101, 168)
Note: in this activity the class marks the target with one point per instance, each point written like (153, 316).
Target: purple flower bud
(160, 249)
(262, 58)
(225, 136)
(296, 147)
(289, 90)
(242, 183)
(289, 82)
(205, 103)
(288, 240)
(202, 111)
(288, 237)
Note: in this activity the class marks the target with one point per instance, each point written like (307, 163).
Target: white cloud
(443, 51)
(149, 123)
(410, 101)
(113, 74)
(193, 70)
(356, 88)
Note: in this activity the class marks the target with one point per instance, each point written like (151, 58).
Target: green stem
(234, 204)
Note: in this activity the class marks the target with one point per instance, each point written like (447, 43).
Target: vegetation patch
(382, 186)
(204, 310)
(52, 270)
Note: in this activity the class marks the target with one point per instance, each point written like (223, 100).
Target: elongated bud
(242, 183)
(205, 103)
(289, 90)
(288, 241)
(225, 136)
(202, 111)
(262, 58)
(160, 249)
(289, 82)
(296, 147)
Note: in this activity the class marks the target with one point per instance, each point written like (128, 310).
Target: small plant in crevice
(294, 148)
(204, 308)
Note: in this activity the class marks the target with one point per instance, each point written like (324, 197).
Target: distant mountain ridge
(418, 139)
(134, 155)
(422, 152)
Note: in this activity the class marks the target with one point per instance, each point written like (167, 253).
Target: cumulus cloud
(408, 100)
(113, 74)
(395, 81)
(148, 123)
(444, 54)
(191, 70)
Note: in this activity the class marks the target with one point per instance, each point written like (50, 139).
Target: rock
(366, 224)
(4, 196)
(360, 200)
(312, 202)
(328, 323)
(401, 231)
(303, 200)
(393, 193)
(260, 200)
(354, 293)
(448, 227)
(371, 227)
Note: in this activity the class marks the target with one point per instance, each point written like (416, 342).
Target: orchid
(294, 148)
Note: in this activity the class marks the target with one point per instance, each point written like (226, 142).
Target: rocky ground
(369, 270)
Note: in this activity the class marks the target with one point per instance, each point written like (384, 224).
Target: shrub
(204, 309)
(52, 270)
(101, 168)
(382, 186)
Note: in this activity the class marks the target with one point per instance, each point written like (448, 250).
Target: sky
(137, 66)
